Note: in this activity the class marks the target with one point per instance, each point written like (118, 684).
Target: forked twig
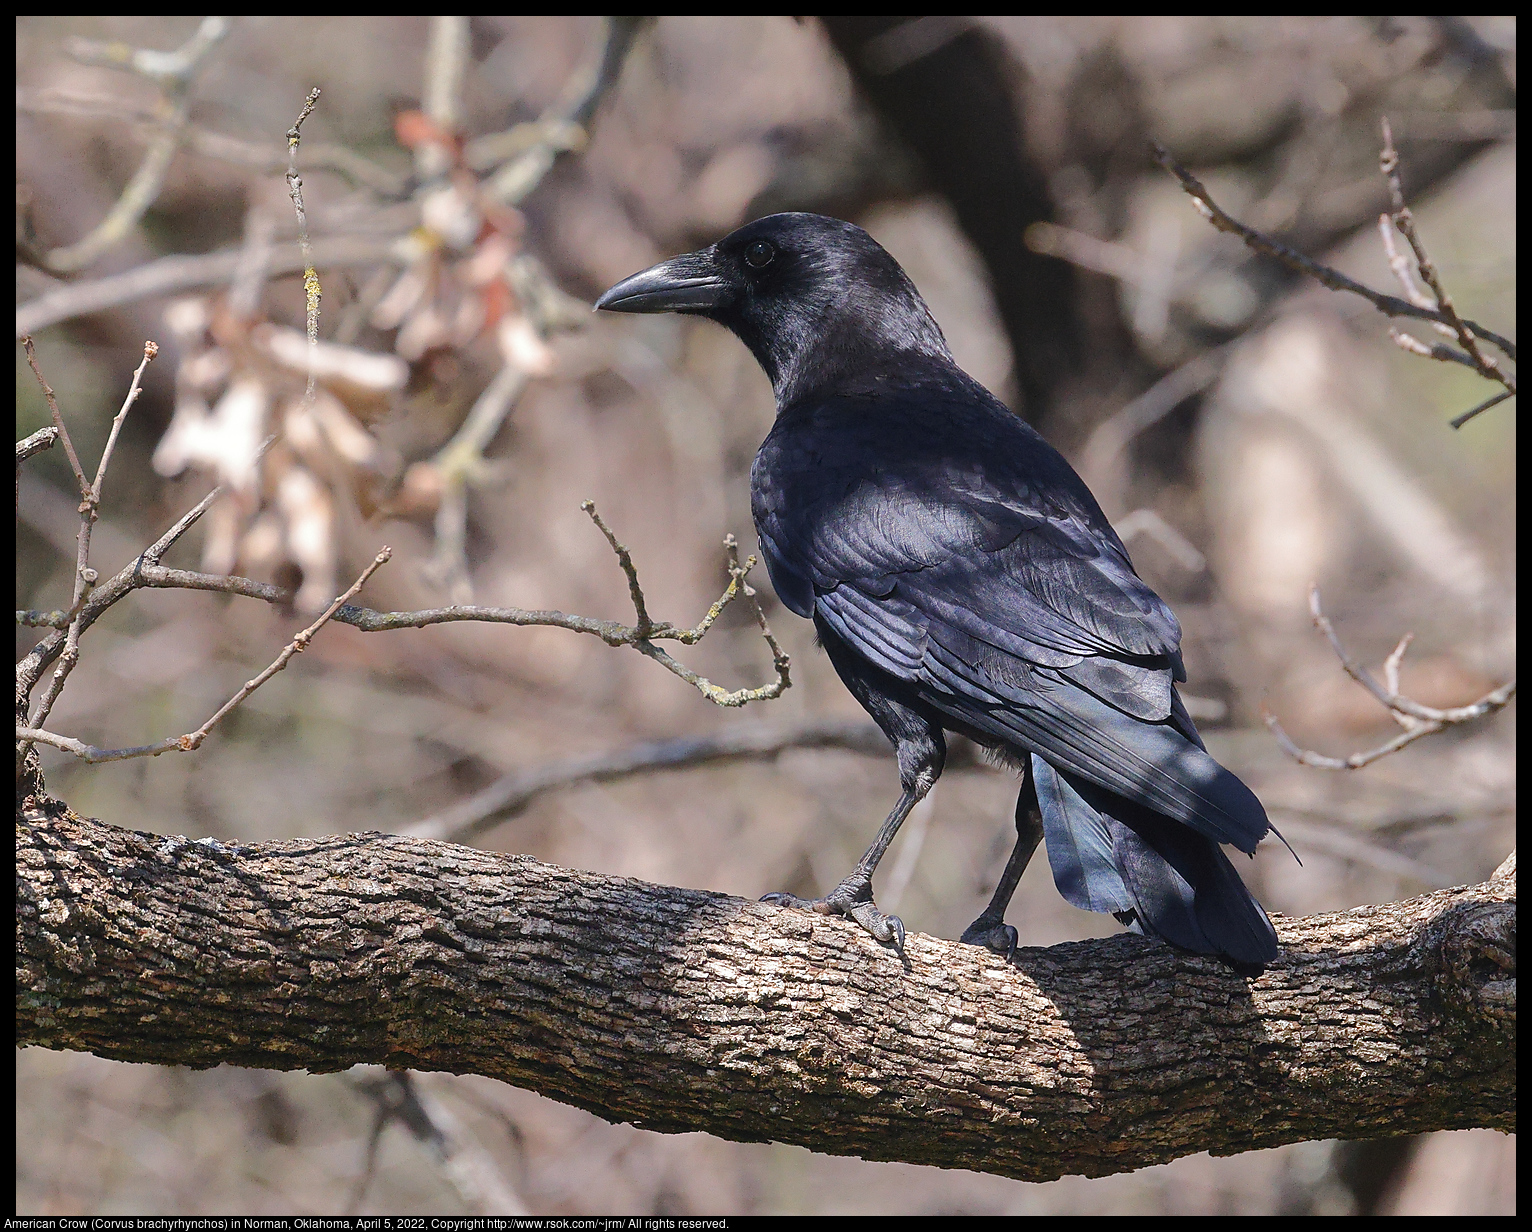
(641, 636)
(90, 503)
(147, 572)
(193, 740)
(1417, 720)
(1389, 305)
(1464, 331)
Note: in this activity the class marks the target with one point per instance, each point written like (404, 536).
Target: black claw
(860, 909)
(1001, 938)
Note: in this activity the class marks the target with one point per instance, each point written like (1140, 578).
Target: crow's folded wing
(1047, 585)
(1025, 623)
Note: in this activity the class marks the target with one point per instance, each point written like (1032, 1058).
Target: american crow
(961, 577)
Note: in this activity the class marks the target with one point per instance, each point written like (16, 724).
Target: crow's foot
(992, 935)
(852, 899)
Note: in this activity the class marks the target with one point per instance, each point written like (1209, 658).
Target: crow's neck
(808, 352)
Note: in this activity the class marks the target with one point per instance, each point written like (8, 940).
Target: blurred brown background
(1304, 447)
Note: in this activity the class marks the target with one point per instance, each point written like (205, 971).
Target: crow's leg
(853, 896)
(922, 751)
(990, 929)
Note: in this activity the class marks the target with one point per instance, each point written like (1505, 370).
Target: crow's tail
(1111, 854)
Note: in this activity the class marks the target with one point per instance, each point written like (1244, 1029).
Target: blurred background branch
(173, 73)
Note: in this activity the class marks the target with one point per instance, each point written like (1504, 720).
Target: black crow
(961, 577)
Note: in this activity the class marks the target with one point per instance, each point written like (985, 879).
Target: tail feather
(1110, 854)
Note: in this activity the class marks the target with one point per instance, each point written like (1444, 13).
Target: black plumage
(961, 577)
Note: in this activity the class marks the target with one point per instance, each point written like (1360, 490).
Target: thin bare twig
(221, 146)
(489, 151)
(1436, 350)
(32, 665)
(193, 740)
(1109, 257)
(646, 630)
(645, 627)
(169, 70)
(90, 503)
(311, 290)
(44, 438)
(159, 577)
(1405, 221)
(1400, 264)
(151, 349)
(1389, 305)
(355, 314)
(612, 632)
(531, 150)
(460, 464)
(35, 619)
(1418, 721)
(146, 571)
(249, 281)
(296, 646)
(1495, 400)
(1147, 521)
(1103, 459)
(442, 98)
(779, 659)
(512, 794)
(400, 1096)
(58, 419)
(320, 156)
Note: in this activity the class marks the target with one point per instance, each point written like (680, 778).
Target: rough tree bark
(685, 1010)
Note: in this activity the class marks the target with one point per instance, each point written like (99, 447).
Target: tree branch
(183, 273)
(208, 143)
(1389, 305)
(90, 504)
(146, 571)
(682, 1010)
(192, 741)
(1472, 355)
(43, 438)
(510, 795)
(173, 73)
(311, 288)
(575, 107)
(1417, 721)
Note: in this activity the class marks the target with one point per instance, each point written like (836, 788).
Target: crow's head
(818, 301)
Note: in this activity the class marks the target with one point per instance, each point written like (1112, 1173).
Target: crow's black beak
(691, 282)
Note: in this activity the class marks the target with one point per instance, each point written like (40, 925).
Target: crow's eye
(760, 254)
